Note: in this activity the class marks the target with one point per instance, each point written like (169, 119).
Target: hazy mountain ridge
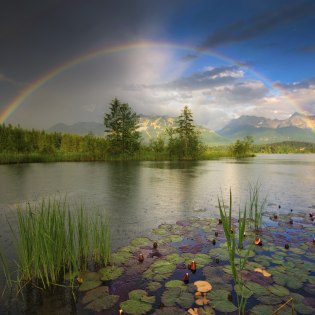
(263, 130)
(149, 126)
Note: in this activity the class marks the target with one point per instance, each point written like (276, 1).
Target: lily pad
(140, 241)
(110, 273)
(120, 257)
(257, 289)
(135, 307)
(103, 303)
(304, 309)
(160, 231)
(154, 286)
(243, 291)
(159, 270)
(174, 258)
(94, 294)
(174, 284)
(139, 302)
(89, 285)
(261, 310)
(220, 301)
(177, 296)
(270, 299)
(278, 290)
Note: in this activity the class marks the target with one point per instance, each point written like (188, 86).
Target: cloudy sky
(64, 61)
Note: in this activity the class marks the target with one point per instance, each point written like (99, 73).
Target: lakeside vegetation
(236, 264)
(122, 141)
(55, 242)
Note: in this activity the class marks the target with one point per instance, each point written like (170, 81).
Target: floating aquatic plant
(139, 303)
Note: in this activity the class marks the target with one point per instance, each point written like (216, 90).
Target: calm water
(138, 196)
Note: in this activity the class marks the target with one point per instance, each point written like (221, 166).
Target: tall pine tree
(121, 125)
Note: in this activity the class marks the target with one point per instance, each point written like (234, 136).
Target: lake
(138, 196)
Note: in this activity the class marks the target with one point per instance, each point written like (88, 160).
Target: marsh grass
(52, 240)
(256, 205)
(237, 255)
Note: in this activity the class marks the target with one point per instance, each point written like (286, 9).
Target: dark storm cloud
(305, 84)
(38, 35)
(257, 25)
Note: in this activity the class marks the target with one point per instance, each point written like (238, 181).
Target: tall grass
(52, 240)
(237, 255)
(256, 206)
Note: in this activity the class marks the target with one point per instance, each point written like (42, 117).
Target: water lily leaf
(270, 299)
(94, 294)
(261, 310)
(278, 290)
(154, 286)
(140, 241)
(294, 283)
(177, 296)
(203, 286)
(220, 301)
(257, 289)
(110, 273)
(120, 257)
(243, 291)
(148, 299)
(221, 253)
(297, 298)
(175, 284)
(174, 258)
(224, 306)
(136, 294)
(160, 231)
(296, 250)
(160, 270)
(89, 285)
(175, 238)
(89, 276)
(103, 303)
(304, 309)
(135, 307)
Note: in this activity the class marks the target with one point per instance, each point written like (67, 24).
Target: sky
(64, 61)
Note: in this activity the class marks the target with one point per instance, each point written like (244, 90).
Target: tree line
(122, 141)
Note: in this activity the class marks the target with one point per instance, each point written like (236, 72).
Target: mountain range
(264, 130)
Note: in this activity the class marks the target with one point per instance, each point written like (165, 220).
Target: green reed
(52, 240)
(237, 255)
(256, 206)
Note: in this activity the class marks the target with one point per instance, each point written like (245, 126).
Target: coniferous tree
(184, 140)
(121, 128)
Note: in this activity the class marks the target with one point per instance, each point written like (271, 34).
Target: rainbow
(31, 88)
